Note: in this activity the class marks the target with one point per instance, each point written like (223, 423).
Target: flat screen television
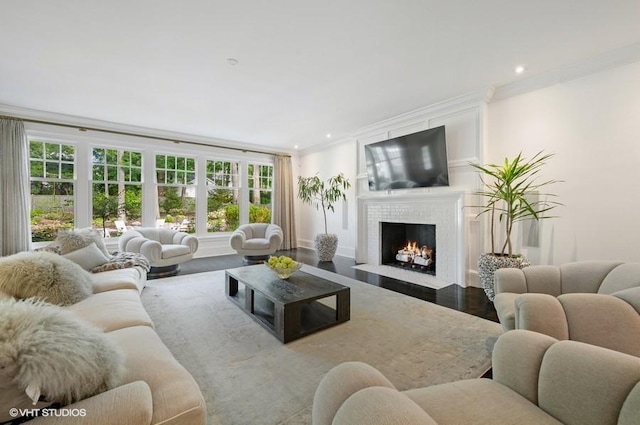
(415, 160)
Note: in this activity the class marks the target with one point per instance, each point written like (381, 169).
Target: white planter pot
(326, 246)
(489, 263)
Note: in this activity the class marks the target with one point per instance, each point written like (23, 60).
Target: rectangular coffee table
(292, 308)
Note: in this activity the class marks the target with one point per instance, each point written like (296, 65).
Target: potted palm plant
(323, 195)
(512, 193)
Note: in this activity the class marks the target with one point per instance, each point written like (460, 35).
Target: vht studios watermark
(65, 413)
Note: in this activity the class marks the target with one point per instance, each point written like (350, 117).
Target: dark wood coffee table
(292, 308)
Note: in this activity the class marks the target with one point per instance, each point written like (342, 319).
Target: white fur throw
(48, 352)
(44, 275)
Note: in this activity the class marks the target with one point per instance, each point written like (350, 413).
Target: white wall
(464, 121)
(337, 158)
(592, 124)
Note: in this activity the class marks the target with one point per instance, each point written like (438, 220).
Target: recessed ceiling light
(519, 69)
(232, 61)
(295, 147)
(328, 135)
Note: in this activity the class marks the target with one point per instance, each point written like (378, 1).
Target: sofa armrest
(339, 384)
(381, 406)
(516, 361)
(129, 404)
(183, 238)
(541, 313)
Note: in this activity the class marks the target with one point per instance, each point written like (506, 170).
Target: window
(176, 183)
(260, 187)
(52, 176)
(116, 190)
(223, 191)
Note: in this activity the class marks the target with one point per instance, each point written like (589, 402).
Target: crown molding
(468, 100)
(612, 59)
(81, 122)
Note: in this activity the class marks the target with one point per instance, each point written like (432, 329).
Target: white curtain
(15, 231)
(283, 201)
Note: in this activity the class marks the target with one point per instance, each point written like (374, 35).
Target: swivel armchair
(256, 241)
(164, 248)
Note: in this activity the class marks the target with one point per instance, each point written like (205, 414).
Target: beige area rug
(248, 377)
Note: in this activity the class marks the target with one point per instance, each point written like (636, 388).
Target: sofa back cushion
(602, 320)
(585, 276)
(543, 280)
(581, 384)
(625, 276)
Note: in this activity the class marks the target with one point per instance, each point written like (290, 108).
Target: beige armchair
(596, 302)
(256, 241)
(164, 248)
(536, 380)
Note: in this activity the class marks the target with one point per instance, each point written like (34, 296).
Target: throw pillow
(88, 257)
(52, 247)
(48, 354)
(70, 240)
(44, 275)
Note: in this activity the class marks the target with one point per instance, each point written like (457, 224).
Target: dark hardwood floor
(469, 300)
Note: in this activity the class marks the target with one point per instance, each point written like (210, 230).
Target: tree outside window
(52, 178)
(223, 191)
(176, 184)
(116, 190)
(260, 189)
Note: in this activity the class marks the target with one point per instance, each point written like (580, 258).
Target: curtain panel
(15, 230)
(283, 198)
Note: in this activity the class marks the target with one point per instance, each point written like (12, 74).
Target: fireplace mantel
(443, 208)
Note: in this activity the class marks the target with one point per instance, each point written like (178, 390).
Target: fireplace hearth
(409, 246)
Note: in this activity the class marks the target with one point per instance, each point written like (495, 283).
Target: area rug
(248, 377)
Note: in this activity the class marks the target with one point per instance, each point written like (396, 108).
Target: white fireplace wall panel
(459, 234)
(445, 211)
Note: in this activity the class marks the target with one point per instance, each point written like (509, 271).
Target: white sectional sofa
(155, 388)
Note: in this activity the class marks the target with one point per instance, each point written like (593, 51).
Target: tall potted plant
(512, 193)
(323, 195)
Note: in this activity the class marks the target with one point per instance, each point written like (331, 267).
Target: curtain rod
(125, 133)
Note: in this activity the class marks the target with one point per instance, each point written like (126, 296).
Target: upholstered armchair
(164, 248)
(256, 241)
(536, 380)
(597, 302)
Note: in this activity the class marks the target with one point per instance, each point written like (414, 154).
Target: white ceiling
(305, 68)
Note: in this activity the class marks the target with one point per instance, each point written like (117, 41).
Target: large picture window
(116, 190)
(110, 185)
(260, 188)
(223, 191)
(52, 176)
(176, 182)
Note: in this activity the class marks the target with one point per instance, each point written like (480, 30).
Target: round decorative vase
(326, 246)
(489, 263)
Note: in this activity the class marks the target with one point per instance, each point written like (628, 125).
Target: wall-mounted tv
(415, 160)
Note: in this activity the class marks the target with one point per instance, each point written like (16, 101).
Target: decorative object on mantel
(283, 266)
(323, 194)
(513, 194)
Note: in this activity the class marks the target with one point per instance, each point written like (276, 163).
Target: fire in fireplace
(410, 246)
